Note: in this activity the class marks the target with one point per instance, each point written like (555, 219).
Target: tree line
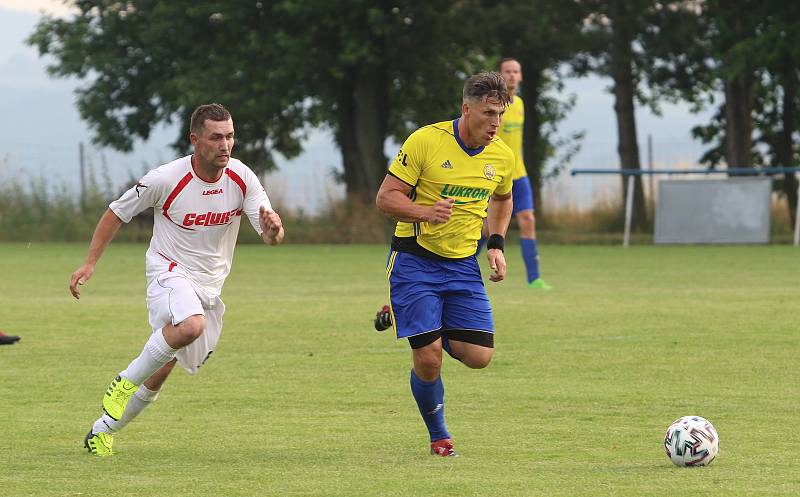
(372, 70)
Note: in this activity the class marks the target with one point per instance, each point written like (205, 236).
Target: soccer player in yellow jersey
(511, 133)
(438, 189)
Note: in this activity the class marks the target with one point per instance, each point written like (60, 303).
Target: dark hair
(215, 112)
(486, 85)
(507, 59)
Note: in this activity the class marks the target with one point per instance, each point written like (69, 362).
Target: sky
(42, 130)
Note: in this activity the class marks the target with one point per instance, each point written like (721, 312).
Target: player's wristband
(496, 242)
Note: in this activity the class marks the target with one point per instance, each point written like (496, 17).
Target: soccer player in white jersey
(198, 203)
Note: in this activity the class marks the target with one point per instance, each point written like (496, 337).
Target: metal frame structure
(737, 171)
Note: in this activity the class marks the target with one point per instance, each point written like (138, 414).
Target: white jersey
(196, 223)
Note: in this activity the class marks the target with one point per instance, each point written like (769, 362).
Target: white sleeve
(144, 194)
(256, 197)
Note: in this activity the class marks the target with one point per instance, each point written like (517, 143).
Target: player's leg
(415, 284)
(170, 299)
(145, 395)
(474, 348)
(156, 358)
(428, 389)
(160, 349)
(467, 320)
(523, 210)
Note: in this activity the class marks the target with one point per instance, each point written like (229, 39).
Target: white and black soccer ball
(691, 441)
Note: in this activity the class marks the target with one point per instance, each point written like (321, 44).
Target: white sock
(155, 354)
(140, 399)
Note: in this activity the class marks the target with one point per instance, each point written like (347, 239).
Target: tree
(778, 48)
(145, 62)
(374, 70)
(281, 66)
(711, 55)
(541, 35)
(613, 28)
(751, 61)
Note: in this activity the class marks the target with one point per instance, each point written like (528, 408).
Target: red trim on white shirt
(172, 264)
(174, 193)
(238, 180)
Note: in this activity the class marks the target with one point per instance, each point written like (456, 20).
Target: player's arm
(104, 232)
(271, 226)
(393, 201)
(497, 218)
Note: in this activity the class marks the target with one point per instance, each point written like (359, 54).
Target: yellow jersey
(511, 133)
(435, 162)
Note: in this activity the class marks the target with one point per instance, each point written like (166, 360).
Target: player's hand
(271, 225)
(440, 212)
(497, 263)
(79, 277)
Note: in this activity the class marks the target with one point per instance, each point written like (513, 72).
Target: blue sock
(430, 400)
(530, 254)
(481, 241)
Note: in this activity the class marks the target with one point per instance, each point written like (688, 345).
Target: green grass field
(304, 398)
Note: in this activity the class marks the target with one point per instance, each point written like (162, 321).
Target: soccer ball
(691, 441)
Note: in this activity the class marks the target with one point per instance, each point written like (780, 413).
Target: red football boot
(443, 448)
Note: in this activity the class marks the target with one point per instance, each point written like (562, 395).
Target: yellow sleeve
(508, 177)
(408, 163)
(505, 186)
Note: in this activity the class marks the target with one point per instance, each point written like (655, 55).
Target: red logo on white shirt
(213, 192)
(210, 218)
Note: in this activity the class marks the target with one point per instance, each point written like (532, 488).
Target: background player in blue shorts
(438, 189)
(511, 133)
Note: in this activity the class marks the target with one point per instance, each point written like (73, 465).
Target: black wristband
(496, 242)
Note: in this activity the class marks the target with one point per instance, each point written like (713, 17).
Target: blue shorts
(522, 194)
(429, 295)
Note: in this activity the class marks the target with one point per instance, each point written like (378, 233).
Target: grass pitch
(303, 398)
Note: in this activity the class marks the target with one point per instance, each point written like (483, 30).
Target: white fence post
(628, 212)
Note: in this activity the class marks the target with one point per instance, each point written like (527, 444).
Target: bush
(40, 212)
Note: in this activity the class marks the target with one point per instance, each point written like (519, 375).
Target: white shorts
(171, 298)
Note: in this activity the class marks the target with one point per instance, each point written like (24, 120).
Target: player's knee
(430, 362)
(192, 327)
(478, 360)
(527, 223)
